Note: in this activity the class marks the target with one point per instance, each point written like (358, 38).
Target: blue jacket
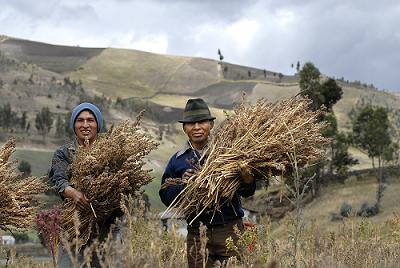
(188, 159)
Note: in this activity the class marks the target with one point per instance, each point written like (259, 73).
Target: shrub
(25, 168)
(345, 209)
(367, 210)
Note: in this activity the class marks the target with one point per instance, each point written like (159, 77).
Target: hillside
(123, 82)
(50, 57)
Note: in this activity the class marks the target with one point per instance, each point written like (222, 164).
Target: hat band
(196, 112)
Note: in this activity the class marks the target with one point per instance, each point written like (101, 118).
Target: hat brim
(196, 119)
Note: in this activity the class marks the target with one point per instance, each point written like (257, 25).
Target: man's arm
(248, 185)
(59, 178)
(169, 193)
(58, 175)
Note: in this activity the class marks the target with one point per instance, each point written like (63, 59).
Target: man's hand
(246, 175)
(188, 173)
(78, 197)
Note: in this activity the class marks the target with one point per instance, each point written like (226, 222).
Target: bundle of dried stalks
(258, 138)
(110, 167)
(17, 203)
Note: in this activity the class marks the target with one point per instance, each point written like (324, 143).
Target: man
(197, 124)
(86, 122)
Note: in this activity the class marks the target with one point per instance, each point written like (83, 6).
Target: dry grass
(352, 243)
(18, 205)
(142, 243)
(258, 138)
(273, 92)
(112, 166)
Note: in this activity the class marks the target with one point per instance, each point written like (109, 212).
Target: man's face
(85, 127)
(198, 132)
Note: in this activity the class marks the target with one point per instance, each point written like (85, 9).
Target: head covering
(196, 110)
(86, 106)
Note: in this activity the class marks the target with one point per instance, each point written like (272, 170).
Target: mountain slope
(51, 57)
(35, 75)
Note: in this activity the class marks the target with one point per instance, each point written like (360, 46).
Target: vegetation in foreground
(144, 244)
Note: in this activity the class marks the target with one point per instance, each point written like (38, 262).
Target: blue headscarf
(90, 107)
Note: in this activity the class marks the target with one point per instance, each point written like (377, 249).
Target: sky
(357, 40)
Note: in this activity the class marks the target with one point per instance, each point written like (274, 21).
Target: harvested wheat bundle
(109, 168)
(259, 138)
(17, 195)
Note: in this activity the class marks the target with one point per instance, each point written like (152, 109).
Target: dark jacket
(188, 159)
(60, 173)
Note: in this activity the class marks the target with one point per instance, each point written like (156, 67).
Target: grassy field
(354, 193)
(40, 160)
(272, 92)
(351, 95)
(152, 189)
(130, 73)
(363, 160)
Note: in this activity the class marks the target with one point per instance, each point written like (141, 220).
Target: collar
(189, 147)
(184, 150)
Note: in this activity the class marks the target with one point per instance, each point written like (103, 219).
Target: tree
(67, 128)
(60, 127)
(44, 121)
(340, 159)
(331, 93)
(25, 168)
(371, 133)
(221, 57)
(309, 78)
(22, 121)
(7, 116)
(298, 66)
(394, 119)
(326, 94)
(338, 162)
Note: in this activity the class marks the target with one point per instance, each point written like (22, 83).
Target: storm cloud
(357, 40)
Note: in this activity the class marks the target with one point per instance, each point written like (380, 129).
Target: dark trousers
(216, 244)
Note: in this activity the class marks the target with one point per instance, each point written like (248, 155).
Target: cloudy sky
(359, 39)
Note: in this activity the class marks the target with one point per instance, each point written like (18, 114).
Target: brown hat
(196, 110)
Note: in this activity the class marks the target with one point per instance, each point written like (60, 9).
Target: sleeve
(168, 194)
(58, 175)
(247, 189)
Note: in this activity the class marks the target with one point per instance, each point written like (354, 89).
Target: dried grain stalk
(111, 167)
(18, 205)
(257, 138)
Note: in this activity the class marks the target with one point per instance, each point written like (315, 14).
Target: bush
(21, 237)
(367, 210)
(25, 168)
(345, 209)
